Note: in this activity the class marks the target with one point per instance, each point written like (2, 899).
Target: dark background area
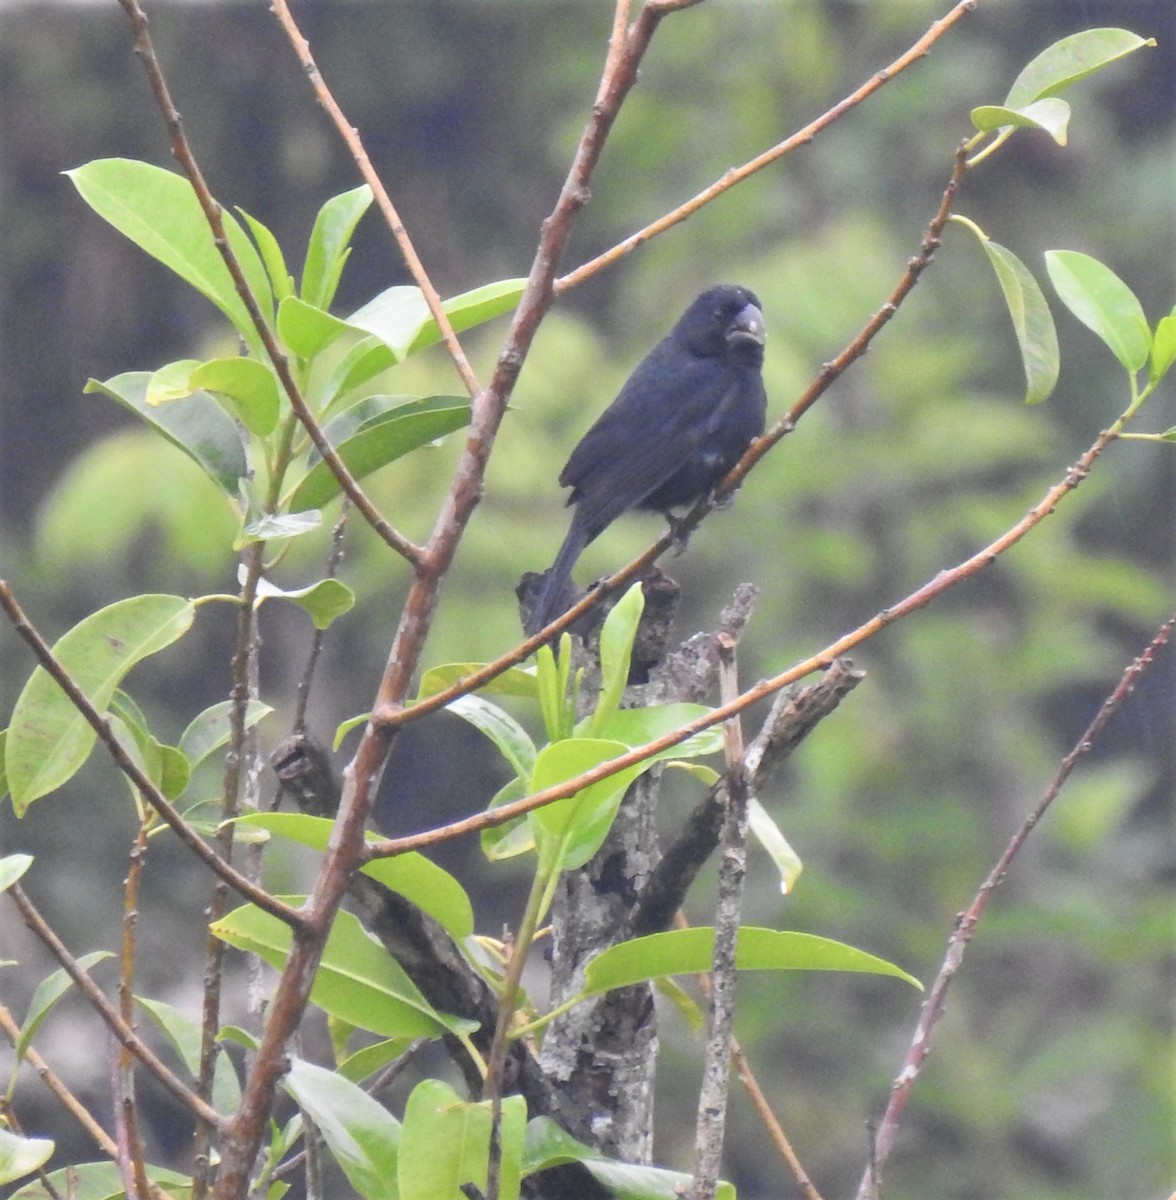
(1053, 1076)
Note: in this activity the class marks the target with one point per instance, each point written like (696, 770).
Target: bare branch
(712, 1095)
(351, 139)
(182, 152)
(934, 1006)
(108, 1013)
(737, 175)
(131, 769)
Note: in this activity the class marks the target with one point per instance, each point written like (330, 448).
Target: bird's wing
(657, 422)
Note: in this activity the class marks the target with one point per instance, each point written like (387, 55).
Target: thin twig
(737, 175)
(131, 769)
(351, 139)
(246, 1129)
(63, 1095)
(933, 1007)
(334, 559)
(918, 599)
(829, 372)
(712, 1095)
(109, 1014)
(182, 152)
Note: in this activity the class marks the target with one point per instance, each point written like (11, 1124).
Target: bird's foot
(679, 534)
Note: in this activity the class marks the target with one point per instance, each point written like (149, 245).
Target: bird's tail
(557, 594)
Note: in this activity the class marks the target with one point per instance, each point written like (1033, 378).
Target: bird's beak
(747, 327)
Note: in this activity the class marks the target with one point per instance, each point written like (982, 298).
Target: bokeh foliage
(1051, 1078)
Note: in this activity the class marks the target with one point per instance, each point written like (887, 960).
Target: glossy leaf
(382, 442)
(99, 1181)
(445, 1142)
(512, 740)
(1037, 338)
(325, 600)
(272, 257)
(769, 835)
(305, 329)
(1067, 61)
(1050, 115)
(547, 1145)
(1163, 349)
(21, 1156)
(209, 730)
(185, 1037)
(689, 951)
(329, 240)
(582, 821)
(158, 211)
(1103, 303)
(362, 1135)
(412, 875)
(638, 726)
(515, 681)
(469, 309)
(196, 424)
(616, 649)
(44, 999)
(249, 386)
(48, 739)
(170, 382)
(12, 868)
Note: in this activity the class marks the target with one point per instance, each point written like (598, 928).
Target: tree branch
(935, 1004)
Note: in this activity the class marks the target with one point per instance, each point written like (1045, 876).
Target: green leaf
(582, 821)
(689, 951)
(358, 980)
(1069, 60)
(48, 739)
(366, 1061)
(515, 681)
(1037, 337)
(325, 600)
(769, 835)
(99, 1181)
(196, 424)
(12, 868)
(20, 1156)
(500, 727)
(209, 730)
(305, 329)
(366, 358)
(45, 998)
(249, 386)
(411, 875)
(170, 382)
(469, 309)
(1051, 115)
(329, 240)
(616, 648)
(382, 442)
(362, 1136)
(514, 837)
(184, 1034)
(638, 726)
(445, 1143)
(271, 256)
(1163, 348)
(548, 1145)
(159, 212)
(1103, 303)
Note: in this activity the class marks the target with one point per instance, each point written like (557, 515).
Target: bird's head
(725, 322)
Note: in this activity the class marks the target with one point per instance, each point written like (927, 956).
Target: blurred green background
(1053, 1075)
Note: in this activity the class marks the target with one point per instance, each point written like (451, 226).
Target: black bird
(680, 423)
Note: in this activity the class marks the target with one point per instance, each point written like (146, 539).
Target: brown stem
(131, 769)
(934, 1006)
(109, 1014)
(802, 137)
(182, 152)
(917, 599)
(351, 139)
